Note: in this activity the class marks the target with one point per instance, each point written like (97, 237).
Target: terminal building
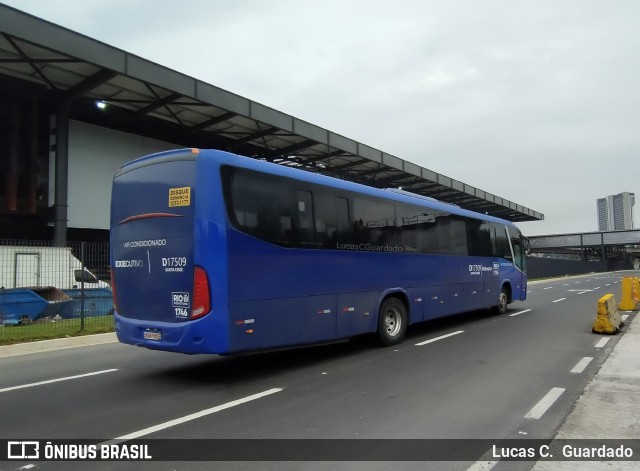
(74, 109)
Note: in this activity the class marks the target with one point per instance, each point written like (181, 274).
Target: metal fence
(48, 291)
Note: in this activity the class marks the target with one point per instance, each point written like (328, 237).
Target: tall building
(615, 212)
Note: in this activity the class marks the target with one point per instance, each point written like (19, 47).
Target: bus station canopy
(135, 95)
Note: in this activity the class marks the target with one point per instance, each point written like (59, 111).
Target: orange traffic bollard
(627, 303)
(608, 320)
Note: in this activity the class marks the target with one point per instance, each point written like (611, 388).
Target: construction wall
(95, 154)
(552, 267)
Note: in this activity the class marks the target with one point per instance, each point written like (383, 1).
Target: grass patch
(10, 334)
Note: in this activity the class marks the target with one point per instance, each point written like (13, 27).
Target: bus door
(519, 247)
(502, 255)
(493, 284)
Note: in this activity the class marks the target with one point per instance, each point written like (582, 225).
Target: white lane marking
(543, 405)
(482, 466)
(28, 466)
(49, 381)
(549, 287)
(558, 300)
(518, 313)
(566, 284)
(581, 365)
(608, 284)
(602, 342)
(624, 318)
(196, 415)
(439, 338)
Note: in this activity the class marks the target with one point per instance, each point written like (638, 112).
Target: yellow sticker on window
(179, 196)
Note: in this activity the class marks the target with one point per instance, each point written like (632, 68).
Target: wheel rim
(503, 301)
(392, 322)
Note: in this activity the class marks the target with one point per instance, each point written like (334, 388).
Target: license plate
(151, 335)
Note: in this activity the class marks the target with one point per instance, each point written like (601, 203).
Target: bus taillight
(113, 289)
(201, 293)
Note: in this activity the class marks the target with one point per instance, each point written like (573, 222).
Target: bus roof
(227, 158)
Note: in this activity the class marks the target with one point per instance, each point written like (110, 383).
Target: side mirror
(85, 276)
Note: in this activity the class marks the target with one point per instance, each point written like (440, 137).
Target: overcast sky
(535, 101)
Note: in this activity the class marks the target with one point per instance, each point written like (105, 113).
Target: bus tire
(392, 322)
(503, 301)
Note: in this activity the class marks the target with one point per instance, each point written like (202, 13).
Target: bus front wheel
(392, 322)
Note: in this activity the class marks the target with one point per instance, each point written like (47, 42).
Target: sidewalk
(609, 407)
(56, 344)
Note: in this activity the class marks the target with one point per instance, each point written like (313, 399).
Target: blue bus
(216, 253)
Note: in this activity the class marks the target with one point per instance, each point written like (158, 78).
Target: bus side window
(494, 242)
(374, 221)
(325, 219)
(246, 219)
(452, 235)
(502, 243)
(304, 219)
(285, 223)
(342, 219)
(479, 238)
(269, 224)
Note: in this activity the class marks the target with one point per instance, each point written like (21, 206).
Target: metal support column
(60, 206)
(11, 173)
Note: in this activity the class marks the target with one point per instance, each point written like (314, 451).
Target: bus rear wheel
(392, 322)
(503, 302)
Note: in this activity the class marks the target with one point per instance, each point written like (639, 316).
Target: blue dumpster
(25, 305)
(97, 302)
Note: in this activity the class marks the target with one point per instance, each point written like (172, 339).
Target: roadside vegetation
(10, 334)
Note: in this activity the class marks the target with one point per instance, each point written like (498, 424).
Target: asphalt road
(481, 376)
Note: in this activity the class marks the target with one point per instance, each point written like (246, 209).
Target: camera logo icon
(23, 450)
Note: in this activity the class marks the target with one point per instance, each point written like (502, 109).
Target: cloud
(536, 102)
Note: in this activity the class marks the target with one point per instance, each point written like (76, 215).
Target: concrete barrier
(608, 320)
(627, 303)
(635, 289)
